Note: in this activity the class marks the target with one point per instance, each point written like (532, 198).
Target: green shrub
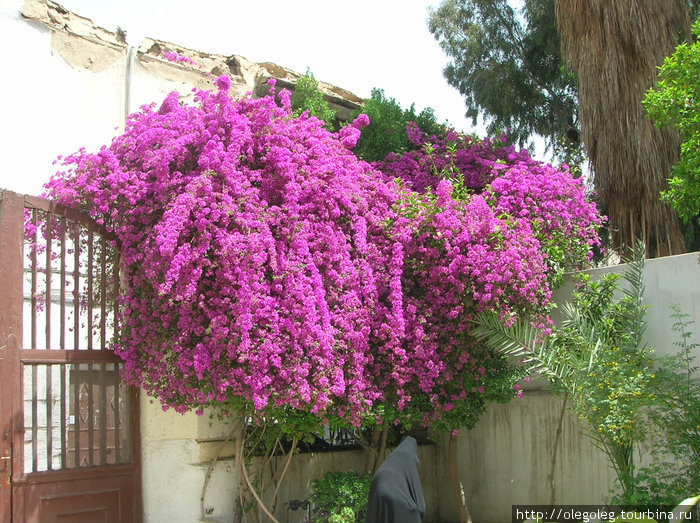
(340, 497)
(307, 97)
(674, 102)
(625, 398)
(386, 132)
(675, 433)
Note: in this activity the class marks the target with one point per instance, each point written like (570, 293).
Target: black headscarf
(395, 495)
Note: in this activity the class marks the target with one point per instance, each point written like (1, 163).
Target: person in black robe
(395, 494)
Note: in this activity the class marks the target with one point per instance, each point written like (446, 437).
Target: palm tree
(615, 48)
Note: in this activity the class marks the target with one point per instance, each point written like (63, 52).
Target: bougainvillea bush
(262, 261)
(483, 227)
(246, 240)
(548, 201)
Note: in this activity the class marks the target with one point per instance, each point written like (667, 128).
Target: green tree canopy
(694, 7)
(507, 65)
(505, 59)
(307, 97)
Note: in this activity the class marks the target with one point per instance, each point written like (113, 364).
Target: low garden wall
(505, 460)
(177, 450)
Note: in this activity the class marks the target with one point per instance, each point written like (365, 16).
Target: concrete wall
(505, 460)
(667, 281)
(177, 450)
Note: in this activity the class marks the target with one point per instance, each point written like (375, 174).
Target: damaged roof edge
(102, 48)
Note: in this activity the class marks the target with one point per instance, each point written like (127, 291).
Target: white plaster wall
(52, 107)
(174, 470)
(147, 88)
(49, 107)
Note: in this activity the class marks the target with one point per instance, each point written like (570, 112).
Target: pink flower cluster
(492, 230)
(174, 57)
(515, 186)
(262, 260)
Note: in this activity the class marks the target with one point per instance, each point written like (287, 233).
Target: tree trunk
(557, 437)
(615, 49)
(371, 450)
(457, 489)
(374, 450)
(210, 468)
(382, 447)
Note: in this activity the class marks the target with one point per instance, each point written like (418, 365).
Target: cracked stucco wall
(84, 45)
(75, 38)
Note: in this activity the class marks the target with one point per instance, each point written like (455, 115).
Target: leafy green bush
(675, 102)
(347, 515)
(675, 433)
(307, 97)
(386, 132)
(340, 497)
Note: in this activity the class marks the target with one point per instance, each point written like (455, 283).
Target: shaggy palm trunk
(615, 49)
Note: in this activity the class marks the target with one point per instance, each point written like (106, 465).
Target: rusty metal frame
(11, 298)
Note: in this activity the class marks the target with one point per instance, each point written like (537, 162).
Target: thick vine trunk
(382, 448)
(375, 449)
(371, 449)
(212, 464)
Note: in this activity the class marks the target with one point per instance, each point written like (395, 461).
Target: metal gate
(69, 429)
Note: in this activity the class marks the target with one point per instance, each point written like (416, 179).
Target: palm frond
(634, 274)
(634, 310)
(521, 340)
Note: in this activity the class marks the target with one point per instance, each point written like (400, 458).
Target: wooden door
(69, 431)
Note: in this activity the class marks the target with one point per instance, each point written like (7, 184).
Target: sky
(356, 45)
